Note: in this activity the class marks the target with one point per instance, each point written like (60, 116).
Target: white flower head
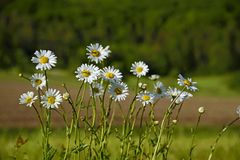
(118, 91)
(139, 69)
(187, 82)
(177, 95)
(87, 73)
(66, 96)
(111, 74)
(238, 110)
(142, 86)
(27, 98)
(96, 53)
(38, 81)
(97, 89)
(145, 97)
(154, 77)
(45, 59)
(159, 90)
(51, 99)
(201, 110)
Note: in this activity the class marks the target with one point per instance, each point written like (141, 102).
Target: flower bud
(174, 121)
(156, 122)
(238, 110)
(201, 110)
(20, 75)
(66, 96)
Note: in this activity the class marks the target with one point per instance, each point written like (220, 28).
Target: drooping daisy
(38, 81)
(111, 74)
(97, 89)
(139, 69)
(187, 82)
(118, 91)
(45, 59)
(154, 77)
(51, 99)
(159, 89)
(87, 73)
(145, 97)
(96, 53)
(177, 95)
(27, 98)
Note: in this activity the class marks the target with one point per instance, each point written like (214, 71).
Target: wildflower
(66, 96)
(97, 89)
(27, 98)
(139, 69)
(160, 90)
(45, 59)
(177, 95)
(201, 110)
(174, 121)
(111, 74)
(87, 73)
(145, 97)
(187, 82)
(96, 53)
(238, 111)
(154, 77)
(118, 91)
(38, 81)
(51, 99)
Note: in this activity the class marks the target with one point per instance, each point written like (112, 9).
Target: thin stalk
(220, 135)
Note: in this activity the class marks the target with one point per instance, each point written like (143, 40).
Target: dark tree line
(172, 36)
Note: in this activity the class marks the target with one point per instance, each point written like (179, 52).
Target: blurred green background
(197, 37)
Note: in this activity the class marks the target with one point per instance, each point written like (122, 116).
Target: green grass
(228, 147)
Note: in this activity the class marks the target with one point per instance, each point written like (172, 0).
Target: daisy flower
(160, 90)
(45, 59)
(51, 99)
(145, 97)
(87, 73)
(139, 69)
(97, 89)
(27, 98)
(96, 53)
(111, 74)
(38, 81)
(187, 82)
(118, 91)
(177, 95)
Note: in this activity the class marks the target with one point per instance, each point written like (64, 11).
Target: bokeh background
(200, 39)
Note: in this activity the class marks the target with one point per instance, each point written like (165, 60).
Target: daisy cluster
(48, 97)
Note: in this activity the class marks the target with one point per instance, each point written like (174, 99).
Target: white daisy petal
(187, 82)
(118, 91)
(145, 97)
(159, 90)
(38, 81)
(87, 73)
(139, 69)
(45, 59)
(51, 99)
(96, 53)
(111, 74)
(27, 98)
(177, 95)
(97, 89)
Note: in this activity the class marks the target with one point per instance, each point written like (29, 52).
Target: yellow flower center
(28, 100)
(118, 91)
(51, 99)
(43, 60)
(38, 81)
(95, 53)
(145, 97)
(139, 69)
(86, 73)
(109, 75)
(187, 82)
(158, 90)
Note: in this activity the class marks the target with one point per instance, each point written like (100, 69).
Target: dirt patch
(219, 111)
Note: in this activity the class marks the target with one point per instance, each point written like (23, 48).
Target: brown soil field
(219, 110)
